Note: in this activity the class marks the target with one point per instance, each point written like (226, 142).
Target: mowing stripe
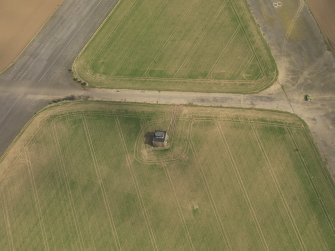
(223, 50)
(209, 194)
(7, 221)
(110, 34)
(37, 200)
(274, 178)
(100, 182)
(135, 182)
(67, 186)
(173, 33)
(180, 212)
(201, 36)
(304, 164)
(244, 190)
(247, 38)
(129, 52)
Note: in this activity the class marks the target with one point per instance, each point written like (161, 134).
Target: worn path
(305, 67)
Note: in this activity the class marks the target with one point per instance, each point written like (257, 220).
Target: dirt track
(20, 21)
(305, 66)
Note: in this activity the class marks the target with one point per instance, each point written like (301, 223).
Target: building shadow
(148, 138)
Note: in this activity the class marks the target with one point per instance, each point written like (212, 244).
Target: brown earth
(324, 13)
(20, 21)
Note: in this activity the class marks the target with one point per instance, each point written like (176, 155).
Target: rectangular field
(83, 176)
(188, 45)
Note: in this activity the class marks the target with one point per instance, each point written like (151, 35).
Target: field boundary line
(67, 186)
(201, 37)
(7, 222)
(135, 182)
(240, 180)
(303, 162)
(100, 182)
(37, 200)
(98, 78)
(180, 212)
(223, 50)
(274, 178)
(209, 194)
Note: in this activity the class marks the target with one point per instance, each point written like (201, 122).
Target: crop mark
(223, 50)
(274, 178)
(37, 200)
(180, 212)
(201, 37)
(209, 194)
(67, 186)
(303, 162)
(240, 180)
(7, 222)
(135, 182)
(100, 182)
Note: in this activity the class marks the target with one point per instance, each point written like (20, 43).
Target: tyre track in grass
(135, 182)
(200, 38)
(37, 200)
(150, 24)
(179, 209)
(108, 38)
(7, 221)
(172, 34)
(68, 117)
(247, 38)
(277, 185)
(223, 50)
(242, 187)
(223, 232)
(100, 182)
(310, 179)
(67, 186)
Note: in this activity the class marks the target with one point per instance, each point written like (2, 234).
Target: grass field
(82, 177)
(189, 45)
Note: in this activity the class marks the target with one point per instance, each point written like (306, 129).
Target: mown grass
(187, 45)
(81, 177)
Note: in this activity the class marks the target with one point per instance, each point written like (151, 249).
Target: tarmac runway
(305, 67)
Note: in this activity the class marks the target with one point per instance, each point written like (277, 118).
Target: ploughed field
(84, 176)
(191, 45)
(20, 21)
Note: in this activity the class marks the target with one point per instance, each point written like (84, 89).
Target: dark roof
(159, 136)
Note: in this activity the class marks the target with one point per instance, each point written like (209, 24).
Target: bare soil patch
(20, 21)
(323, 11)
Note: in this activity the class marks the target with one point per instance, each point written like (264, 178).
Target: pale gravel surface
(305, 66)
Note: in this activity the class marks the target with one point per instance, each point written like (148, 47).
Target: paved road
(305, 66)
(43, 67)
